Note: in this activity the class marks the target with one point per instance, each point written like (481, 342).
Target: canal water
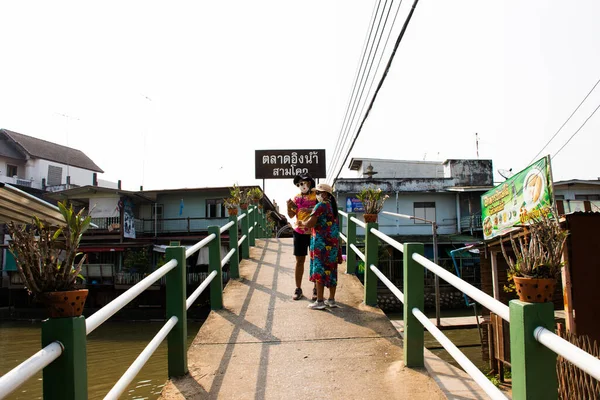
(111, 350)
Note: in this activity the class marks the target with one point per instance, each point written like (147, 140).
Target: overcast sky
(180, 94)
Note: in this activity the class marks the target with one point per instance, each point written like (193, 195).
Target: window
(215, 208)
(424, 210)
(54, 175)
(587, 197)
(559, 197)
(11, 170)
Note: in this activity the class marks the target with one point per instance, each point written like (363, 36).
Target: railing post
(258, 223)
(176, 306)
(251, 219)
(214, 264)
(414, 288)
(234, 261)
(372, 257)
(245, 244)
(66, 377)
(351, 236)
(533, 364)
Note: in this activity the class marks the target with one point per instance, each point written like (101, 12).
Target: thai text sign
(354, 205)
(285, 164)
(514, 202)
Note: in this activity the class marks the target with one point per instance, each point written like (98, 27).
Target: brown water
(110, 350)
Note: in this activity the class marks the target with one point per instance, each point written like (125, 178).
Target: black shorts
(301, 244)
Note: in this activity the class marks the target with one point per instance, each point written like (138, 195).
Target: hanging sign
(285, 164)
(516, 201)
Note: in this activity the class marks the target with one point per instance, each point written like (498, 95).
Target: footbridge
(258, 343)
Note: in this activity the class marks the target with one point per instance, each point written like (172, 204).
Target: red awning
(100, 249)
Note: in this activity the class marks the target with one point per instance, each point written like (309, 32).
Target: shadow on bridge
(263, 345)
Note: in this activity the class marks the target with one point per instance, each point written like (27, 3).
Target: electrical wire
(345, 131)
(568, 119)
(577, 131)
(385, 73)
(363, 94)
(364, 52)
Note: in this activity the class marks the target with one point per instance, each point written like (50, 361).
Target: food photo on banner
(516, 201)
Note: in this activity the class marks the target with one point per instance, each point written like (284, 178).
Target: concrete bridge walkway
(264, 345)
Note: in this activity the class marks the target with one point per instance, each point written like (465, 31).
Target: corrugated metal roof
(20, 207)
(43, 149)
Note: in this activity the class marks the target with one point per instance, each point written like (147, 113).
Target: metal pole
(437, 278)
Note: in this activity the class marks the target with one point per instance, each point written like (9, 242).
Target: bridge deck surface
(264, 345)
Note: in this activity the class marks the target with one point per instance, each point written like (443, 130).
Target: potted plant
(245, 199)
(231, 203)
(372, 200)
(537, 258)
(255, 195)
(45, 257)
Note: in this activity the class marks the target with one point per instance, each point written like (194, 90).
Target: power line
(577, 131)
(568, 119)
(385, 72)
(364, 52)
(362, 90)
(345, 132)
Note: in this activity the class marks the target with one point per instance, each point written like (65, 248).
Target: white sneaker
(317, 305)
(331, 304)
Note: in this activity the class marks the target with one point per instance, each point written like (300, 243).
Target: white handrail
(394, 243)
(482, 298)
(141, 360)
(344, 238)
(582, 359)
(358, 222)
(460, 358)
(358, 252)
(20, 374)
(250, 209)
(227, 257)
(250, 229)
(226, 226)
(190, 300)
(98, 318)
(199, 245)
(241, 217)
(343, 214)
(393, 288)
(241, 240)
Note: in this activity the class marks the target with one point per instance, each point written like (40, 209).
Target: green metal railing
(63, 357)
(534, 346)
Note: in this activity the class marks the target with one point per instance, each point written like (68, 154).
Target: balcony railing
(110, 224)
(12, 180)
(170, 225)
(471, 222)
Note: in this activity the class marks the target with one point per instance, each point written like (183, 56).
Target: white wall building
(31, 162)
(445, 192)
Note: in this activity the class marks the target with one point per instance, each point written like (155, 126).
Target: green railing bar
(414, 289)
(234, 263)
(245, 243)
(176, 306)
(371, 258)
(351, 235)
(214, 264)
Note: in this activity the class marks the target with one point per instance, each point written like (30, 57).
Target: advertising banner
(514, 202)
(285, 164)
(354, 205)
(128, 219)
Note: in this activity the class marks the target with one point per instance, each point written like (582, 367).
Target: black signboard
(285, 164)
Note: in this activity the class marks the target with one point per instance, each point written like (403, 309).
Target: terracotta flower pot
(232, 211)
(244, 206)
(534, 290)
(64, 304)
(370, 217)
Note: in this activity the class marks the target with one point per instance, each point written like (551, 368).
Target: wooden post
(234, 261)
(214, 264)
(351, 235)
(372, 257)
(245, 227)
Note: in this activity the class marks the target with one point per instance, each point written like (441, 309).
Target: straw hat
(323, 187)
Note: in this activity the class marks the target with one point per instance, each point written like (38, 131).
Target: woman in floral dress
(324, 246)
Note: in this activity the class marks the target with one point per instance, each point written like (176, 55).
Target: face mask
(304, 187)
(319, 198)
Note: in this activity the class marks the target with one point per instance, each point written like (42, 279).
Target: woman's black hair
(333, 205)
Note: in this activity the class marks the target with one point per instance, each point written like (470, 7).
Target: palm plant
(45, 254)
